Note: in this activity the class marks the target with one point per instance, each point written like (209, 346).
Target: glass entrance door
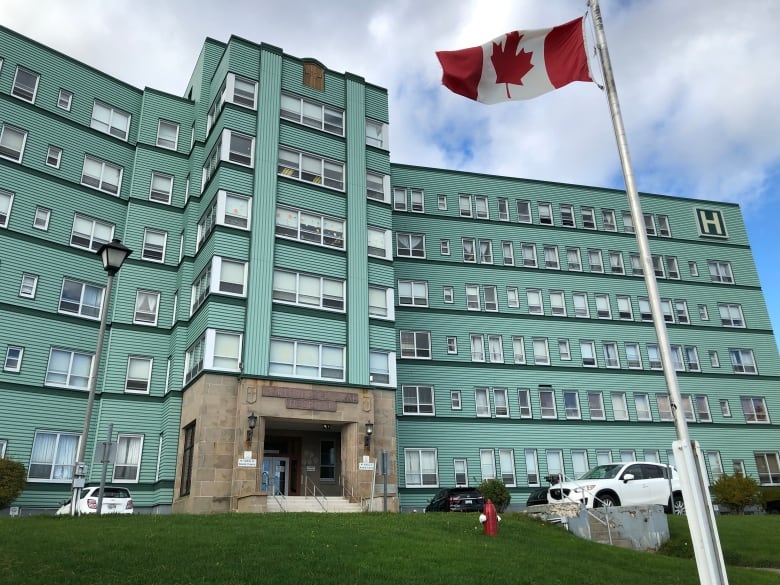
(275, 476)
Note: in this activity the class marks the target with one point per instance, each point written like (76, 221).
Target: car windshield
(603, 472)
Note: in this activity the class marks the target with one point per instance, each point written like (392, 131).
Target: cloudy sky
(698, 83)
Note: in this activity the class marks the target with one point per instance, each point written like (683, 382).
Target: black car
(537, 497)
(456, 500)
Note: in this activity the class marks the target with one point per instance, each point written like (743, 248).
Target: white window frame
(575, 266)
(580, 301)
(6, 202)
(461, 468)
(528, 252)
(127, 464)
(377, 134)
(588, 353)
(595, 261)
(487, 464)
(496, 349)
(413, 293)
(119, 128)
(81, 306)
(164, 141)
(441, 202)
(381, 368)
(754, 409)
(610, 352)
(418, 400)
(541, 351)
(146, 315)
(64, 99)
(588, 217)
(503, 208)
(95, 241)
(448, 293)
(506, 461)
(512, 297)
(100, 182)
(322, 230)
(720, 271)
(518, 349)
(508, 253)
(743, 361)
(571, 404)
(62, 462)
(567, 215)
(485, 249)
(456, 400)
(452, 344)
(21, 89)
(532, 468)
(321, 370)
(415, 344)
(608, 221)
(161, 188)
(524, 402)
(603, 308)
(535, 301)
(380, 303)
(53, 156)
(616, 265)
(523, 207)
(154, 245)
(374, 181)
(633, 355)
(9, 148)
(74, 376)
(731, 315)
(28, 286)
(557, 303)
(547, 406)
(482, 402)
(135, 384)
(312, 114)
(619, 406)
(423, 466)
(551, 260)
(564, 350)
(642, 406)
(491, 298)
(545, 212)
(664, 407)
(477, 344)
(405, 247)
(13, 359)
(444, 247)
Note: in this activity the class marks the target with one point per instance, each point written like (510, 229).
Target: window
(721, 272)
(725, 408)
(68, 369)
(80, 298)
(128, 458)
(53, 156)
(3, 442)
(421, 468)
(611, 359)
(491, 298)
(541, 351)
(418, 400)
(472, 297)
(313, 114)
(715, 465)
(524, 211)
(501, 402)
(603, 456)
(487, 462)
(557, 303)
(506, 460)
(616, 263)
(477, 348)
(13, 358)
(564, 351)
(666, 309)
(547, 402)
(579, 461)
(571, 403)
(555, 462)
(681, 309)
(410, 245)
(495, 349)
(25, 84)
(524, 402)
(416, 344)
(503, 208)
(154, 245)
(625, 310)
(649, 223)
(664, 407)
(161, 188)
(110, 120)
(239, 148)
(444, 247)
(399, 199)
(485, 252)
(449, 294)
(652, 456)
(588, 353)
(377, 134)
(545, 213)
(147, 304)
(455, 400)
(233, 210)
(588, 218)
(633, 356)
(742, 361)
(452, 344)
(378, 186)
(739, 467)
(482, 402)
(654, 356)
(627, 455)
(325, 231)
(139, 373)
(518, 349)
(41, 218)
(531, 467)
(663, 226)
(754, 409)
(441, 202)
(692, 357)
(628, 222)
(580, 300)
(693, 268)
(416, 197)
(464, 205)
(6, 199)
(529, 255)
(413, 293)
(596, 261)
(12, 142)
(53, 456)
(731, 315)
(603, 309)
(28, 286)
(167, 134)
(381, 367)
(380, 302)
(461, 472)
(535, 306)
(703, 313)
(642, 404)
(328, 460)
(645, 312)
(306, 360)
(90, 234)
(188, 449)
(573, 259)
(619, 406)
(512, 297)
(608, 220)
(658, 266)
(637, 269)
(101, 175)
(64, 100)
(551, 258)
(672, 267)
(714, 359)
(567, 215)
(508, 253)
(768, 466)
(703, 408)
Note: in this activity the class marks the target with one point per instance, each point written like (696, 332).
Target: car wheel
(677, 507)
(606, 501)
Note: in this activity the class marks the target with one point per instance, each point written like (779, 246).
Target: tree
(12, 479)
(736, 491)
(495, 490)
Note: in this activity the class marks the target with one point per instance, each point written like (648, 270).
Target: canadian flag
(519, 65)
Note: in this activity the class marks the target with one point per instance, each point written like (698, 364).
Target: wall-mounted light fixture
(369, 432)
(252, 422)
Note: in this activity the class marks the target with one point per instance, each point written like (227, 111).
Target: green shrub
(12, 478)
(737, 492)
(495, 490)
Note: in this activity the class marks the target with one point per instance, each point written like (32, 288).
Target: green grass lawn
(359, 549)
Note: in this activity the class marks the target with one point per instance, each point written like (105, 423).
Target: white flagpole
(701, 519)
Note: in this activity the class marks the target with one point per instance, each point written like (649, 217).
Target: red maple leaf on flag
(510, 65)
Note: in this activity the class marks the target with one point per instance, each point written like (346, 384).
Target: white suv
(116, 500)
(623, 484)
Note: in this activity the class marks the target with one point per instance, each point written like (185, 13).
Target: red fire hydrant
(489, 519)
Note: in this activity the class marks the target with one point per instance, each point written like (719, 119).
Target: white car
(623, 484)
(116, 500)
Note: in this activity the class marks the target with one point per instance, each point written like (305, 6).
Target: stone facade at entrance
(297, 424)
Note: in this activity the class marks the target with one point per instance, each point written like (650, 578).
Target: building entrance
(276, 478)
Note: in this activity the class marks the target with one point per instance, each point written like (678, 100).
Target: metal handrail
(314, 490)
(347, 490)
(561, 478)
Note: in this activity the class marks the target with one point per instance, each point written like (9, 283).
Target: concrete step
(310, 504)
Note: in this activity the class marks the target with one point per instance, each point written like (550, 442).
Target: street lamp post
(113, 256)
